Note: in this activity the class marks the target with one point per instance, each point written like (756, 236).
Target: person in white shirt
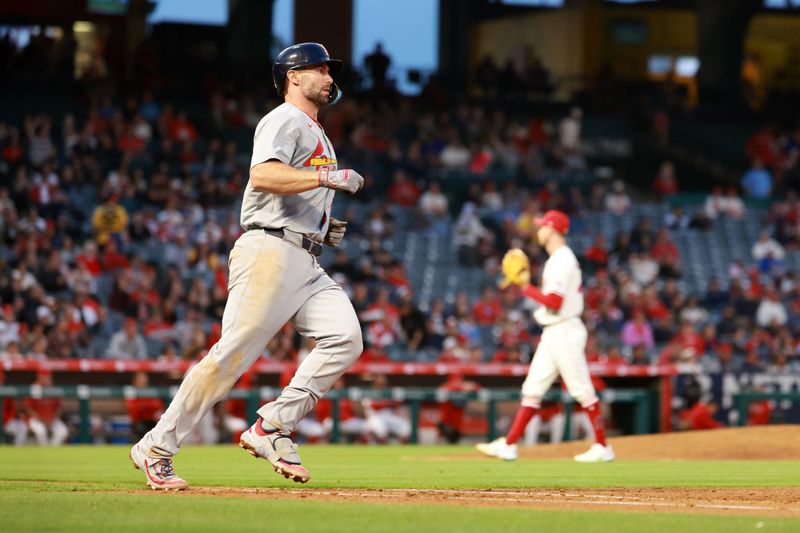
(644, 269)
(561, 349)
(766, 246)
(434, 207)
(455, 155)
(715, 203)
(618, 201)
(771, 311)
(733, 206)
(569, 130)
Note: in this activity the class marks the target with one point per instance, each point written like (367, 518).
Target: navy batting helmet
(302, 55)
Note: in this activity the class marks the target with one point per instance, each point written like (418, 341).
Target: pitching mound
(762, 442)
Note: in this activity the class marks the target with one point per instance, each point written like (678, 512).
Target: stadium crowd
(117, 215)
(116, 221)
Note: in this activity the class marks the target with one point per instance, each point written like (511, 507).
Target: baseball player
(274, 277)
(562, 345)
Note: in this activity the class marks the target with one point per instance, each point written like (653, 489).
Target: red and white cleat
(277, 448)
(158, 471)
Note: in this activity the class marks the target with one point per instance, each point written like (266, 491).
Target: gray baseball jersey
(288, 135)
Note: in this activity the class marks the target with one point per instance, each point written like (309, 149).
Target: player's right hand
(345, 180)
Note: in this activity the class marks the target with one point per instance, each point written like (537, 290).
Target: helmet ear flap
(335, 94)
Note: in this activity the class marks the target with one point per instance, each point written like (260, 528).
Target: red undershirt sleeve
(551, 301)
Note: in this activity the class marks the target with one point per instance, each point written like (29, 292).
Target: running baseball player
(274, 277)
(562, 345)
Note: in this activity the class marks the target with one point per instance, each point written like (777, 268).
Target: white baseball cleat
(277, 448)
(158, 471)
(498, 448)
(596, 454)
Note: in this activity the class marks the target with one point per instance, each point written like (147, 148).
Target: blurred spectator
(700, 416)
(666, 254)
(767, 251)
(377, 62)
(510, 355)
(487, 309)
(752, 362)
(732, 205)
(455, 155)
(412, 322)
(144, 412)
(383, 332)
(128, 343)
(597, 254)
(757, 181)
(715, 203)
(665, 183)
(9, 327)
(637, 331)
(60, 342)
(569, 130)
(40, 144)
(640, 356)
(487, 76)
(771, 312)
(433, 205)
(643, 268)
(759, 413)
(617, 201)
(352, 423)
(451, 413)
(468, 232)
(676, 218)
(402, 191)
(13, 426)
(179, 128)
(693, 312)
(11, 353)
(44, 415)
(383, 417)
(109, 220)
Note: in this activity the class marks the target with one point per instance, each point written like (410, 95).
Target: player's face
(316, 83)
(543, 234)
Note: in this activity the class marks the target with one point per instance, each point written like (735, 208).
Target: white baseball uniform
(273, 280)
(562, 346)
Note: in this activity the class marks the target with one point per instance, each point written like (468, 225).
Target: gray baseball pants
(271, 281)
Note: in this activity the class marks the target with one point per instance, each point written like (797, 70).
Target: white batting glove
(346, 180)
(336, 230)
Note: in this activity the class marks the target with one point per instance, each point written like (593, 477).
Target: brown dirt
(770, 443)
(783, 501)
(763, 442)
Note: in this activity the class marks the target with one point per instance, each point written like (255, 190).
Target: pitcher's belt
(301, 241)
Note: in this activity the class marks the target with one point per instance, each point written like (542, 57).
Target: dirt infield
(784, 502)
(764, 442)
(770, 443)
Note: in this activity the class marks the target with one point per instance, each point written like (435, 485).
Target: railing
(640, 398)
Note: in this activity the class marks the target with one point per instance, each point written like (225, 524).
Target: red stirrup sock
(596, 416)
(524, 416)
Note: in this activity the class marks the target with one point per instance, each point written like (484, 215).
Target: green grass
(81, 489)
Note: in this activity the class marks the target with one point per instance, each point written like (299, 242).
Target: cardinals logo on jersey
(318, 159)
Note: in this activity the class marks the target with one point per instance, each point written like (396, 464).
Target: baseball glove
(516, 268)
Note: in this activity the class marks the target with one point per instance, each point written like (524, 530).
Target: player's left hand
(516, 268)
(336, 230)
